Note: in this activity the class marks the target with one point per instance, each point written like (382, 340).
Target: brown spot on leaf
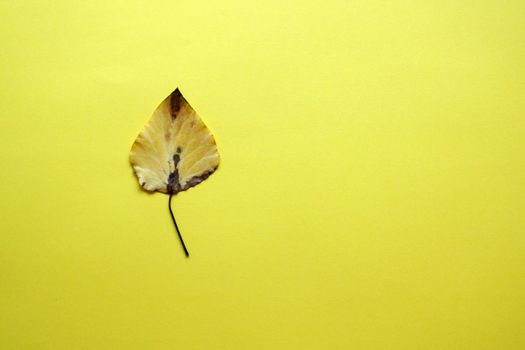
(195, 180)
(176, 160)
(173, 182)
(173, 179)
(176, 101)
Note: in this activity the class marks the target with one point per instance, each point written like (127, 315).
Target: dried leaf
(175, 150)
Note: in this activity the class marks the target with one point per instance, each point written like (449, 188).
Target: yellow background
(371, 193)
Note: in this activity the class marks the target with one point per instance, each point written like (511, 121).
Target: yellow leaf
(175, 150)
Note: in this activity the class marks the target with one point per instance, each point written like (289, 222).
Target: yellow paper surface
(371, 193)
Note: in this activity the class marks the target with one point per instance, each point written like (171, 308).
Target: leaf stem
(177, 228)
